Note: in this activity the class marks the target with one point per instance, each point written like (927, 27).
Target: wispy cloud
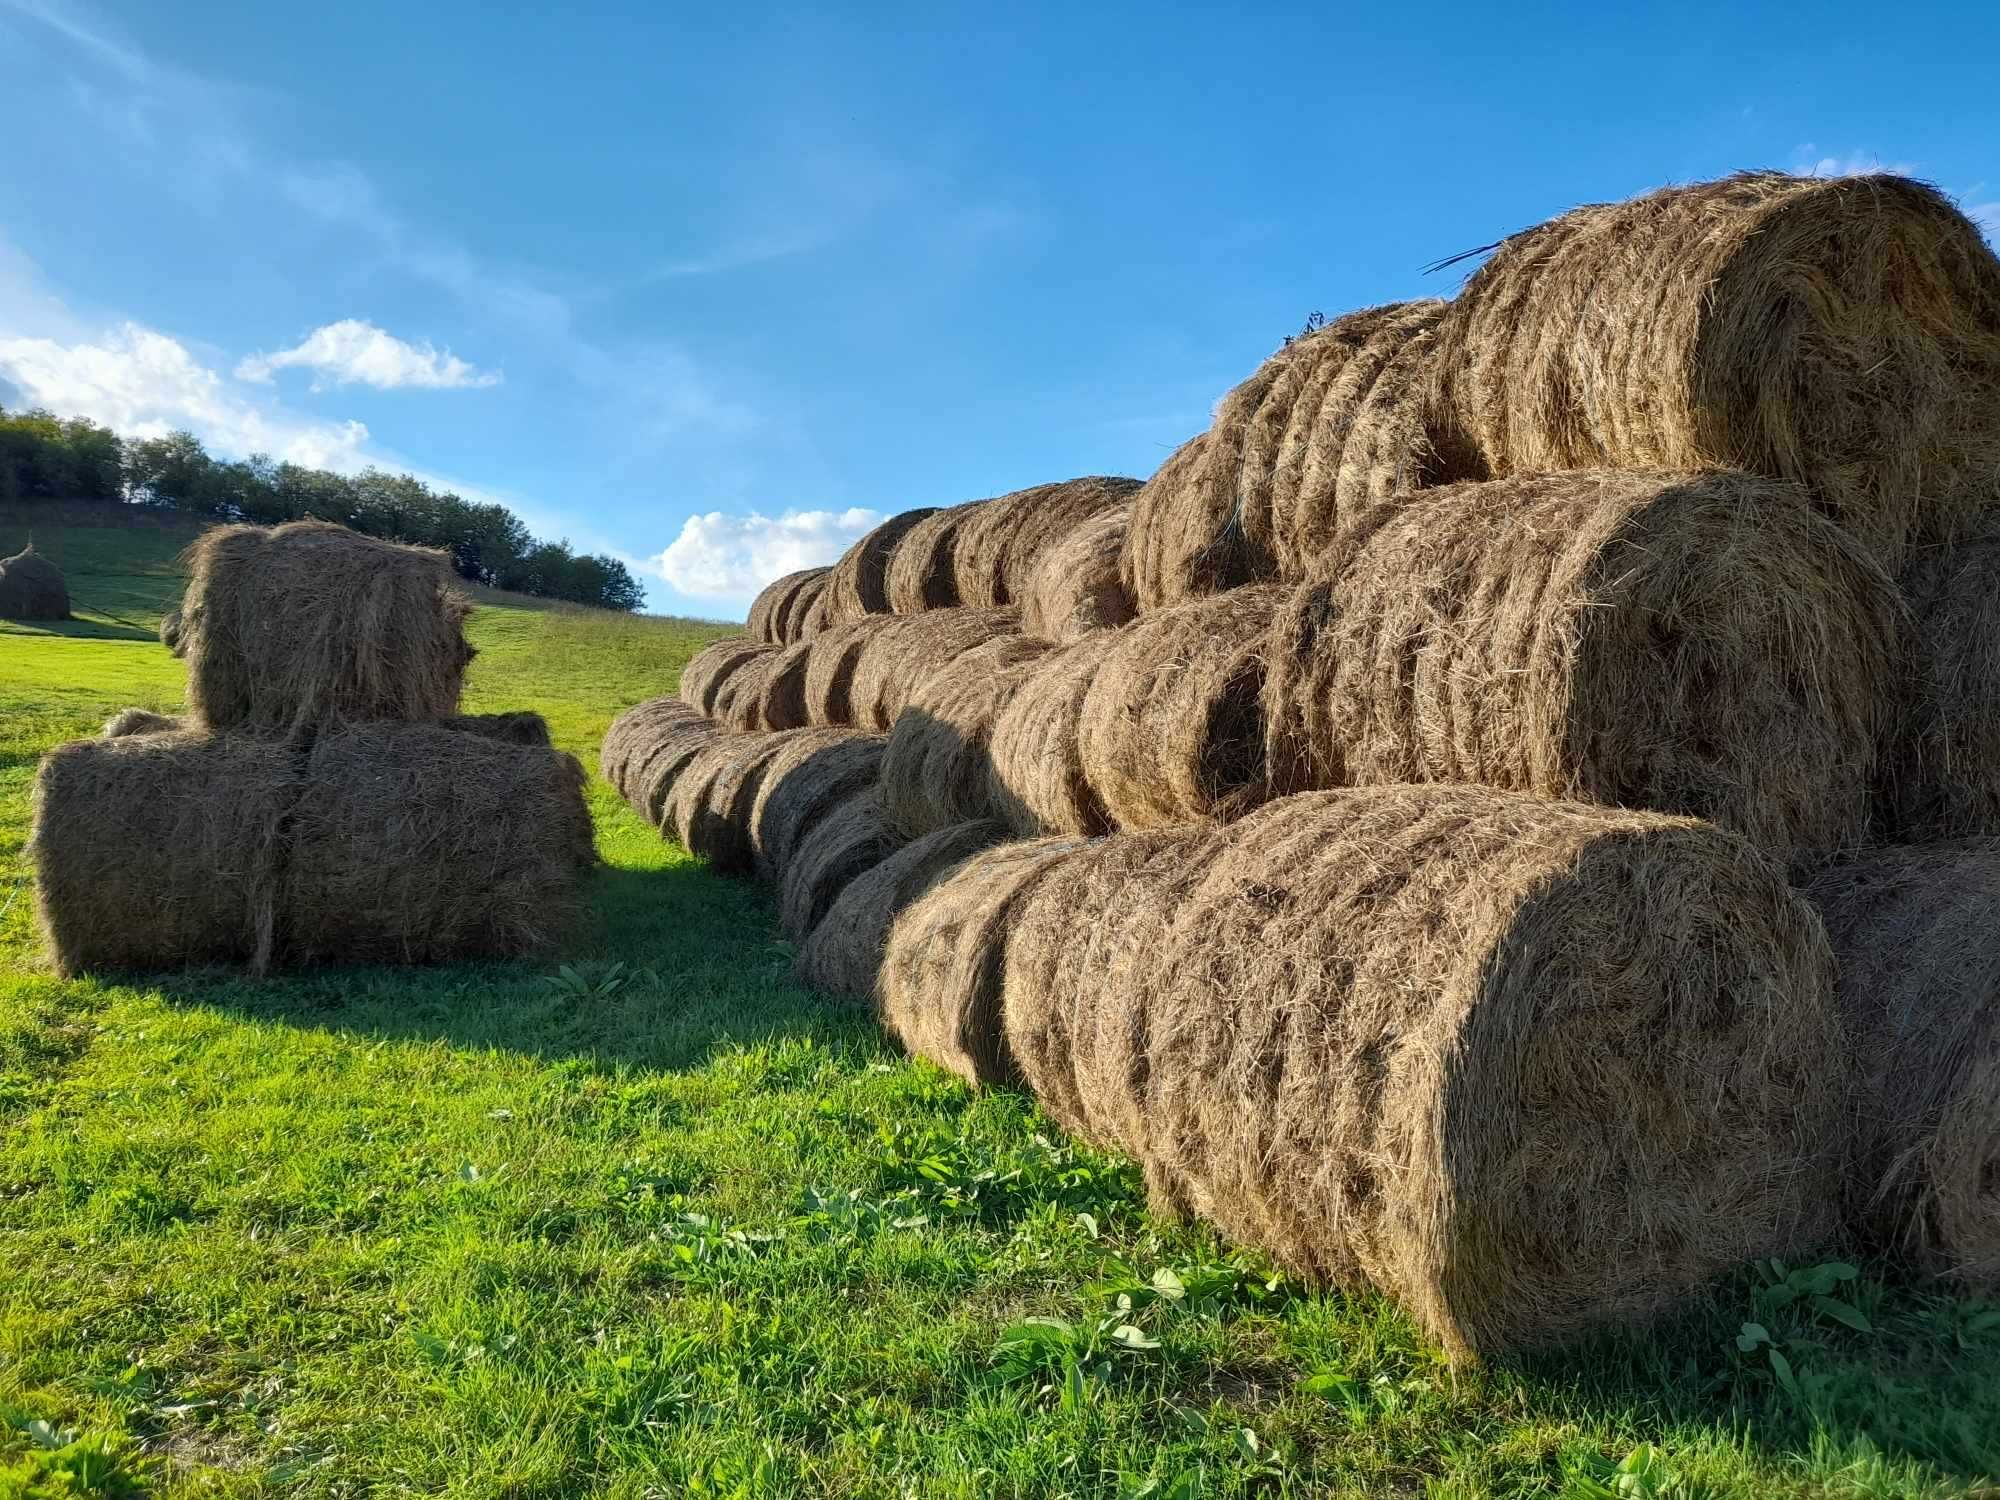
(1809, 161)
(725, 557)
(352, 352)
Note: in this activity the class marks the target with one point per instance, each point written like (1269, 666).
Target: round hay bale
(777, 603)
(658, 765)
(708, 809)
(814, 614)
(922, 574)
(944, 960)
(1913, 929)
(1528, 1067)
(515, 728)
(816, 772)
(1037, 781)
(865, 875)
(859, 583)
(709, 671)
(161, 851)
(1700, 643)
(739, 701)
(310, 625)
(903, 651)
(1172, 725)
(635, 729)
(1320, 415)
(1076, 587)
(937, 770)
(1942, 778)
(32, 587)
(170, 632)
(770, 693)
(830, 666)
(130, 721)
(412, 843)
(1000, 545)
(1841, 332)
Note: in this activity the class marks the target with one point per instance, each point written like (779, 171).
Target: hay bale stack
(902, 651)
(711, 668)
(1528, 1067)
(1914, 931)
(1703, 644)
(130, 721)
(923, 573)
(944, 960)
(780, 607)
(309, 625)
(639, 727)
(1329, 423)
(830, 666)
(161, 851)
(708, 804)
(859, 583)
(937, 770)
(858, 874)
(817, 771)
(1841, 332)
(1037, 782)
(1942, 779)
(1172, 725)
(1076, 587)
(32, 587)
(414, 843)
(999, 547)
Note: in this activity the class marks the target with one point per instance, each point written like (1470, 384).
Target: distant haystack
(32, 588)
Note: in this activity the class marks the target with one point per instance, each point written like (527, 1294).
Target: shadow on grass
(107, 628)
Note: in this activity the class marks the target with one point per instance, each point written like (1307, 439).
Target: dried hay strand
(859, 583)
(923, 573)
(708, 805)
(130, 721)
(1701, 643)
(870, 875)
(1172, 725)
(999, 547)
(1329, 420)
(777, 605)
(170, 632)
(1528, 1067)
(850, 839)
(710, 669)
(1942, 779)
(1841, 332)
(1076, 587)
(414, 843)
(937, 770)
(32, 587)
(161, 851)
(1913, 930)
(944, 960)
(309, 625)
(904, 650)
(817, 771)
(830, 667)
(1036, 781)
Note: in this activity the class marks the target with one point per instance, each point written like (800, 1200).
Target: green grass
(696, 1231)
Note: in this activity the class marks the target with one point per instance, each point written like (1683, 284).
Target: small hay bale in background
(633, 731)
(658, 765)
(1942, 779)
(816, 772)
(999, 548)
(859, 583)
(308, 625)
(1703, 644)
(709, 670)
(32, 587)
(777, 607)
(922, 574)
(1172, 727)
(1842, 332)
(1076, 587)
(1036, 780)
(937, 770)
(870, 874)
(161, 851)
(130, 721)
(1916, 931)
(903, 650)
(414, 843)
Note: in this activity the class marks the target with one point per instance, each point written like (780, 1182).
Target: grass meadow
(651, 1219)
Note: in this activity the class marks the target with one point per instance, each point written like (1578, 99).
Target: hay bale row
(1077, 587)
(923, 574)
(378, 844)
(309, 625)
(32, 587)
(636, 730)
(1526, 1066)
(1002, 543)
(1841, 332)
(779, 613)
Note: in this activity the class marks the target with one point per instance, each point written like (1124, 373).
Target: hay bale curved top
(709, 670)
(1076, 587)
(1913, 930)
(1333, 411)
(310, 624)
(32, 587)
(999, 547)
(923, 573)
(937, 770)
(1705, 644)
(859, 582)
(904, 650)
(778, 603)
(1841, 332)
(1942, 776)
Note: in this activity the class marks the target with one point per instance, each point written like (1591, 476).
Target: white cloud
(720, 556)
(145, 384)
(351, 352)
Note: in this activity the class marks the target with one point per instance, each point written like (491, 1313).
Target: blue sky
(712, 287)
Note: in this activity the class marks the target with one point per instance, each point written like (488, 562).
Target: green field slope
(675, 1226)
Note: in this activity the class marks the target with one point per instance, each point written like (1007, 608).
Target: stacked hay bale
(323, 801)
(32, 587)
(1380, 824)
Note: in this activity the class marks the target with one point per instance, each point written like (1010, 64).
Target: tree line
(46, 457)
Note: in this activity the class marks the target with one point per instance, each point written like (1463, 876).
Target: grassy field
(683, 1228)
